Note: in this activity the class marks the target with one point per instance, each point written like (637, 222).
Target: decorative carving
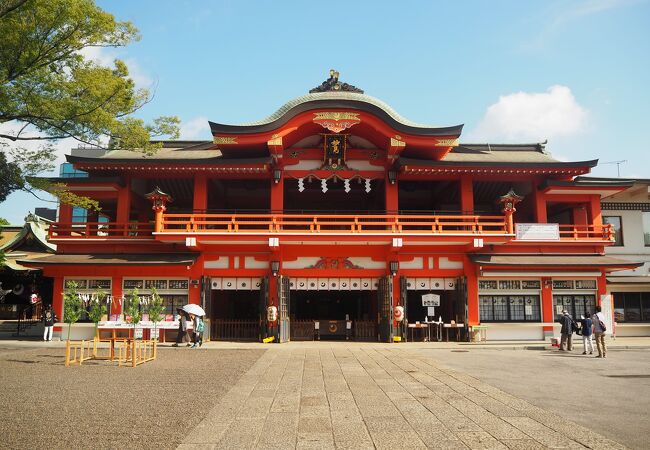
(336, 121)
(275, 141)
(333, 84)
(447, 142)
(225, 140)
(334, 263)
(395, 142)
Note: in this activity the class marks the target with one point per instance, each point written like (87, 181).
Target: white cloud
(532, 116)
(196, 128)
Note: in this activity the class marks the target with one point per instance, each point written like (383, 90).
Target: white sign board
(431, 300)
(431, 311)
(138, 333)
(606, 309)
(537, 231)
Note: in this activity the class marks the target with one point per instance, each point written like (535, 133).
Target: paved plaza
(376, 396)
(329, 395)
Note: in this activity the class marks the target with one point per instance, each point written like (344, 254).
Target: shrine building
(337, 218)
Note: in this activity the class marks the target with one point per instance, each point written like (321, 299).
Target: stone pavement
(374, 396)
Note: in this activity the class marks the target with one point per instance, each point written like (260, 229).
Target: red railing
(332, 223)
(100, 230)
(587, 232)
(313, 224)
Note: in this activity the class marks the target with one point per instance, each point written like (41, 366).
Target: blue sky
(575, 73)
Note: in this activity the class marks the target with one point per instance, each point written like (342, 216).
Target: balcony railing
(101, 230)
(587, 232)
(314, 224)
(332, 223)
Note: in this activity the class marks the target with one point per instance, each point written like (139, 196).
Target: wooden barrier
(130, 352)
(76, 352)
(134, 352)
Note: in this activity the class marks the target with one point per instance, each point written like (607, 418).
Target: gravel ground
(98, 405)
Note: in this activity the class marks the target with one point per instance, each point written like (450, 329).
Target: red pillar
(547, 305)
(466, 195)
(57, 299)
(579, 214)
(391, 193)
(200, 203)
(594, 210)
(539, 205)
(195, 293)
(65, 217)
(473, 317)
(116, 293)
(65, 213)
(277, 195)
(124, 203)
(602, 287)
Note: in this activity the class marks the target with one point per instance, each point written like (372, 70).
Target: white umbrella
(194, 309)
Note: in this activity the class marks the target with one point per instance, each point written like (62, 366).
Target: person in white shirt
(599, 331)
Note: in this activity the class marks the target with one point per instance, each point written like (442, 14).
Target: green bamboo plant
(72, 305)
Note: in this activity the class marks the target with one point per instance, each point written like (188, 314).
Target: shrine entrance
(237, 309)
(318, 312)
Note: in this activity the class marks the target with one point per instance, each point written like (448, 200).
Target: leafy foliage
(156, 309)
(10, 177)
(133, 308)
(72, 305)
(97, 308)
(51, 91)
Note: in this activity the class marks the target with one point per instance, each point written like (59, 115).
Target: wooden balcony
(332, 224)
(587, 233)
(101, 230)
(314, 224)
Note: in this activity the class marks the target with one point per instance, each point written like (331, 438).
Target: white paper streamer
(323, 184)
(301, 184)
(346, 185)
(368, 188)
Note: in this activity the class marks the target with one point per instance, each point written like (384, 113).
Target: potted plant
(72, 305)
(155, 310)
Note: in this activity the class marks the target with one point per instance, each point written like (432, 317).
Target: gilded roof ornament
(333, 84)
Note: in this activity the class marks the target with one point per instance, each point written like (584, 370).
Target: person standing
(587, 328)
(182, 329)
(600, 330)
(48, 318)
(197, 325)
(566, 343)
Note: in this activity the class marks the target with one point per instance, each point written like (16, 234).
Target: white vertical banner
(608, 311)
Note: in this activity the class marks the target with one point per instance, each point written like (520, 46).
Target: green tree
(133, 310)
(72, 305)
(97, 308)
(50, 91)
(155, 310)
(3, 223)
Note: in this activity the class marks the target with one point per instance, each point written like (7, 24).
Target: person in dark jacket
(182, 335)
(567, 323)
(586, 325)
(48, 318)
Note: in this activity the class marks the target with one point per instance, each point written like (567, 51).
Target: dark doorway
(235, 315)
(415, 312)
(357, 307)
